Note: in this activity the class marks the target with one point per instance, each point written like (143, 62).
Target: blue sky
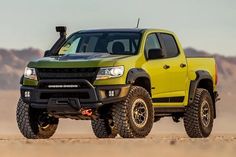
(203, 24)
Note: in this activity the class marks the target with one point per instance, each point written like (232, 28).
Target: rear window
(170, 45)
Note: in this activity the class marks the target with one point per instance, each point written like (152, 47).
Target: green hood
(77, 60)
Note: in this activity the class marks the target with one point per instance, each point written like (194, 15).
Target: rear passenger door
(177, 67)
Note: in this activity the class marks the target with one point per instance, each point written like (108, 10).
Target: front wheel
(33, 123)
(198, 118)
(133, 118)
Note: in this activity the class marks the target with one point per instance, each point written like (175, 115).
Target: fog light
(27, 94)
(111, 93)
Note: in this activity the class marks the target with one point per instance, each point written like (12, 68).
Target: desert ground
(75, 138)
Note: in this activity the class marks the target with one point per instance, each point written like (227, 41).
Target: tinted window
(152, 43)
(102, 42)
(170, 44)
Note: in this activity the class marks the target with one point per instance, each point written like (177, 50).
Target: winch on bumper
(72, 95)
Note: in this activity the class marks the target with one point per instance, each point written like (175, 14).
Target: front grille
(68, 73)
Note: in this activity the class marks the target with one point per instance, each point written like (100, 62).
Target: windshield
(126, 43)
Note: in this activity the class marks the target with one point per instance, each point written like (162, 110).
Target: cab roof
(132, 30)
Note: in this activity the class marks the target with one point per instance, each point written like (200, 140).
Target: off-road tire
(102, 128)
(28, 125)
(193, 122)
(122, 114)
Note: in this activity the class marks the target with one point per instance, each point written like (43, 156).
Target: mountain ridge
(13, 62)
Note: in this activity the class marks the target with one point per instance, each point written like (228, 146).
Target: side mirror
(47, 53)
(155, 54)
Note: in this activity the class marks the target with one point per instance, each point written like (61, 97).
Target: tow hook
(87, 112)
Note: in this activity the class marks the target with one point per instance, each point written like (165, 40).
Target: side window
(170, 44)
(152, 43)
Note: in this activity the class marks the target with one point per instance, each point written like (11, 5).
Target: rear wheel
(103, 128)
(33, 123)
(198, 118)
(134, 117)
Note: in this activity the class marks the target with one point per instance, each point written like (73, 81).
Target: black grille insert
(68, 73)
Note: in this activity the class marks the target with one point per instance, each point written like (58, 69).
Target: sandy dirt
(75, 138)
(87, 145)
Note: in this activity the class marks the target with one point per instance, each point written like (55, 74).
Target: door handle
(166, 66)
(182, 65)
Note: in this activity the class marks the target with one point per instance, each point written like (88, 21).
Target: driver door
(159, 76)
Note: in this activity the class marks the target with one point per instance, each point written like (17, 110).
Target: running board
(169, 110)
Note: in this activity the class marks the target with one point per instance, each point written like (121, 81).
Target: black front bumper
(72, 99)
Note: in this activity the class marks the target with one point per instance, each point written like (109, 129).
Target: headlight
(110, 72)
(30, 73)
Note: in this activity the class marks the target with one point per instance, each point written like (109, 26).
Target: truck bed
(206, 63)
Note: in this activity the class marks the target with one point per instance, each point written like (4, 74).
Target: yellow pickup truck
(123, 80)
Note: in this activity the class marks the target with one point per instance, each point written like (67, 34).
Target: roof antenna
(138, 23)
